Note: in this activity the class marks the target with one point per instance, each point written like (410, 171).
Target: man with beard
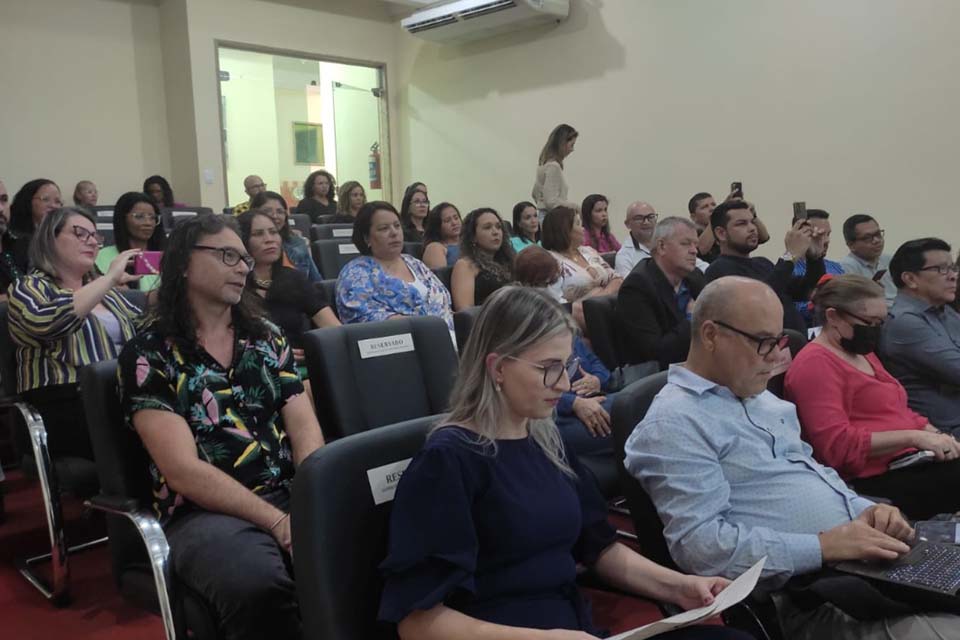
(736, 231)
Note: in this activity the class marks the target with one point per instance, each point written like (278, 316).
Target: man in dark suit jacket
(656, 300)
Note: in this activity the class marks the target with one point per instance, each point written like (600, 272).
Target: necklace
(263, 284)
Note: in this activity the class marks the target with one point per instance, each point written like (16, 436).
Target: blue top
(920, 346)
(830, 268)
(493, 533)
(520, 243)
(453, 254)
(733, 482)
(298, 251)
(592, 365)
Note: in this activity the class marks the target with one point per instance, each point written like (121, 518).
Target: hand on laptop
(863, 539)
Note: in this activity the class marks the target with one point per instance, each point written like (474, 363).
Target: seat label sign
(383, 480)
(385, 346)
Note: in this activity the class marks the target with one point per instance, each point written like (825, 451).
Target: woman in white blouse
(550, 187)
(583, 272)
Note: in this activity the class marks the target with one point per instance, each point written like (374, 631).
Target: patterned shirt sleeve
(144, 383)
(289, 377)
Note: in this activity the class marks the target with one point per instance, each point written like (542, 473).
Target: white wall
(82, 94)
(850, 106)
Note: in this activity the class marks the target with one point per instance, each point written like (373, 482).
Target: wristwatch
(788, 257)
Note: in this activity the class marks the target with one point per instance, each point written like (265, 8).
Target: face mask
(865, 339)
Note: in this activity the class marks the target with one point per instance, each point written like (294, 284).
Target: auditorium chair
(629, 408)
(445, 275)
(104, 213)
(610, 257)
(332, 255)
(414, 249)
(326, 218)
(105, 228)
(138, 546)
(372, 374)
(463, 322)
(300, 222)
(797, 342)
(605, 331)
(170, 216)
(330, 231)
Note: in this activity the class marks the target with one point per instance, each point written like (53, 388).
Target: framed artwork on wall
(307, 143)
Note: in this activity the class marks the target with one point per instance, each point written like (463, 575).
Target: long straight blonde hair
(512, 320)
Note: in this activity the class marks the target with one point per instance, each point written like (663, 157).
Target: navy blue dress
(496, 537)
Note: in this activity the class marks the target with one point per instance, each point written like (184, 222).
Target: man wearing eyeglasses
(252, 185)
(722, 460)
(864, 238)
(920, 342)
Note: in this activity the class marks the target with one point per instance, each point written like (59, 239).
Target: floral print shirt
(234, 413)
(367, 293)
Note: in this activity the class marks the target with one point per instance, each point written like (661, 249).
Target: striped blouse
(52, 342)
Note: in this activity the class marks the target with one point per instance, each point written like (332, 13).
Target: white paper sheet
(735, 592)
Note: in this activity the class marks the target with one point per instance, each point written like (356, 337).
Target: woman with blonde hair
(550, 187)
(351, 200)
(493, 516)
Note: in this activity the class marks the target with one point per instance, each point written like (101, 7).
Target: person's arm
(463, 283)
(300, 423)
(325, 318)
(682, 475)
(443, 623)
(909, 339)
(705, 241)
(435, 255)
(801, 287)
(646, 340)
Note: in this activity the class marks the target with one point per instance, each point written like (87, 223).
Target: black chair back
(629, 408)
(340, 529)
(105, 229)
(414, 249)
(463, 322)
(610, 257)
(333, 255)
(326, 218)
(170, 216)
(604, 329)
(8, 356)
(331, 231)
(797, 341)
(445, 275)
(368, 375)
(301, 222)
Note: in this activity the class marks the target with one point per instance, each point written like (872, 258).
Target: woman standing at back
(550, 187)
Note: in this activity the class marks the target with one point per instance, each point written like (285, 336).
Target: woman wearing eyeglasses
(854, 413)
(493, 516)
(64, 316)
(136, 225)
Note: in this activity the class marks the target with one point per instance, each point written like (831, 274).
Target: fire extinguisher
(374, 162)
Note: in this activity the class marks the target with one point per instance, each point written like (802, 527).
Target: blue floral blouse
(298, 251)
(367, 293)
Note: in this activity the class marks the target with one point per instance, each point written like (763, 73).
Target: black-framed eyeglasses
(870, 237)
(553, 372)
(867, 321)
(765, 344)
(650, 217)
(230, 256)
(942, 269)
(83, 235)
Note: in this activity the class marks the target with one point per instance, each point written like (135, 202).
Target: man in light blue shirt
(864, 238)
(732, 481)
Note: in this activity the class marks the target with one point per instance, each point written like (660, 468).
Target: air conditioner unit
(465, 20)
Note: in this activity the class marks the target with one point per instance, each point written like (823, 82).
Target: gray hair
(666, 227)
(43, 246)
(511, 321)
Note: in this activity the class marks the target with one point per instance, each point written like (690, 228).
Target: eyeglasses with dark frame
(765, 344)
(942, 269)
(553, 372)
(83, 235)
(867, 321)
(230, 256)
(649, 217)
(870, 237)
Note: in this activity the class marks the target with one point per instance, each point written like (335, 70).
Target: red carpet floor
(96, 610)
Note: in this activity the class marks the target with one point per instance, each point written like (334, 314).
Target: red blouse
(602, 243)
(840, 406)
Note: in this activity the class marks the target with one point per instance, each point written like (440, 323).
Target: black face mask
(865, 339)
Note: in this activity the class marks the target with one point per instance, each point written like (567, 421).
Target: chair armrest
(117, 505)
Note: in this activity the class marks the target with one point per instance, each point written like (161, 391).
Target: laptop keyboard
(935, 567)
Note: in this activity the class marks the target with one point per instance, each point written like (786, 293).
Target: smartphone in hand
(799, 211)
(147, 263)
(736, 190)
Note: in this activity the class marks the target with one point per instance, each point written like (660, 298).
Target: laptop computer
(931, 567)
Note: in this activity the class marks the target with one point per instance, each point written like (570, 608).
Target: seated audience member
(493, 516)
(583, 272)
(160, 190)
(734, 225)
(441, 236)
(656, 300)
(819, 220)
(384, 282)
(583, 413)
(30, 205)
(722, 459)
(920, 343)
(640, 221)
(486, 259)
(62, 317)
(701, 207)
(596, 224)
(421, 187)
(296, 251)
(854, 414)
(351, 199)
(864, 238)
(136, 225)
(252, 185)
(319, 196)
(413, 213)
(213, 393)
(293, 303)
(85, 195)
(526, 226)
(9, 271)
